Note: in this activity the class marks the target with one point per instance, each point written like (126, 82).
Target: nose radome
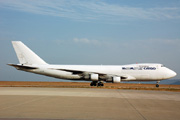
(168, 73)
(172, 73)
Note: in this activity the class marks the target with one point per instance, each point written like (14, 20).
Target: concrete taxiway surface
(86, 103)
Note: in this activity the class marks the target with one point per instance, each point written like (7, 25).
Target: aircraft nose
(172, 74)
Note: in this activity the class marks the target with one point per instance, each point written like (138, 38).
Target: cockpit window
(162, 66)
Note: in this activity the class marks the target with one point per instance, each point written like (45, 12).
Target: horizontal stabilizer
(22, 67)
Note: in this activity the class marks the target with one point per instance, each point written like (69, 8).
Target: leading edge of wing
(80, 72)
(86, 72)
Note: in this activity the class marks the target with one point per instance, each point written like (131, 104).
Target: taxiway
(35, 103)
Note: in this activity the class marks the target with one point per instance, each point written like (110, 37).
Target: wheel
(100, 84)
(157, 84)
(93, 83)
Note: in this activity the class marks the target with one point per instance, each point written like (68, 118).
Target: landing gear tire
(100, 84)
(157, 85)
(93, 83)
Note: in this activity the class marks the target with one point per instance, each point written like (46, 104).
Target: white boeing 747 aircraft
(30, 62)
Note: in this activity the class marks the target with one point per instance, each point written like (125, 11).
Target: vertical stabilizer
(26, 55)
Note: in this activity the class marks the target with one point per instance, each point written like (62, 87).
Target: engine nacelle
(86, 76)
(94, 77)
(116, 79)
(113, 79)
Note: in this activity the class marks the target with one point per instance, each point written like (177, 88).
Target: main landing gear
(96, 83)
(157, 84)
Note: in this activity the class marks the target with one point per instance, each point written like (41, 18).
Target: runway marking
(132, 105)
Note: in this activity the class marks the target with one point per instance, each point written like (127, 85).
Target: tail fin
(26, 55)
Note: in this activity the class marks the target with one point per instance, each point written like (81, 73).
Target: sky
(91, 32)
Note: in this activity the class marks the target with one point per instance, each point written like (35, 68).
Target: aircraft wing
(101, 75)
(73, 71)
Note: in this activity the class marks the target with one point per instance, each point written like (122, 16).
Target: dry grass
(130, 86)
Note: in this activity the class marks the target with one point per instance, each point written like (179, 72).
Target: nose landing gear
(157, 84)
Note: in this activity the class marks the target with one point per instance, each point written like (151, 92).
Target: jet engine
(113, 79)
(92, 77)
(116, 79)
